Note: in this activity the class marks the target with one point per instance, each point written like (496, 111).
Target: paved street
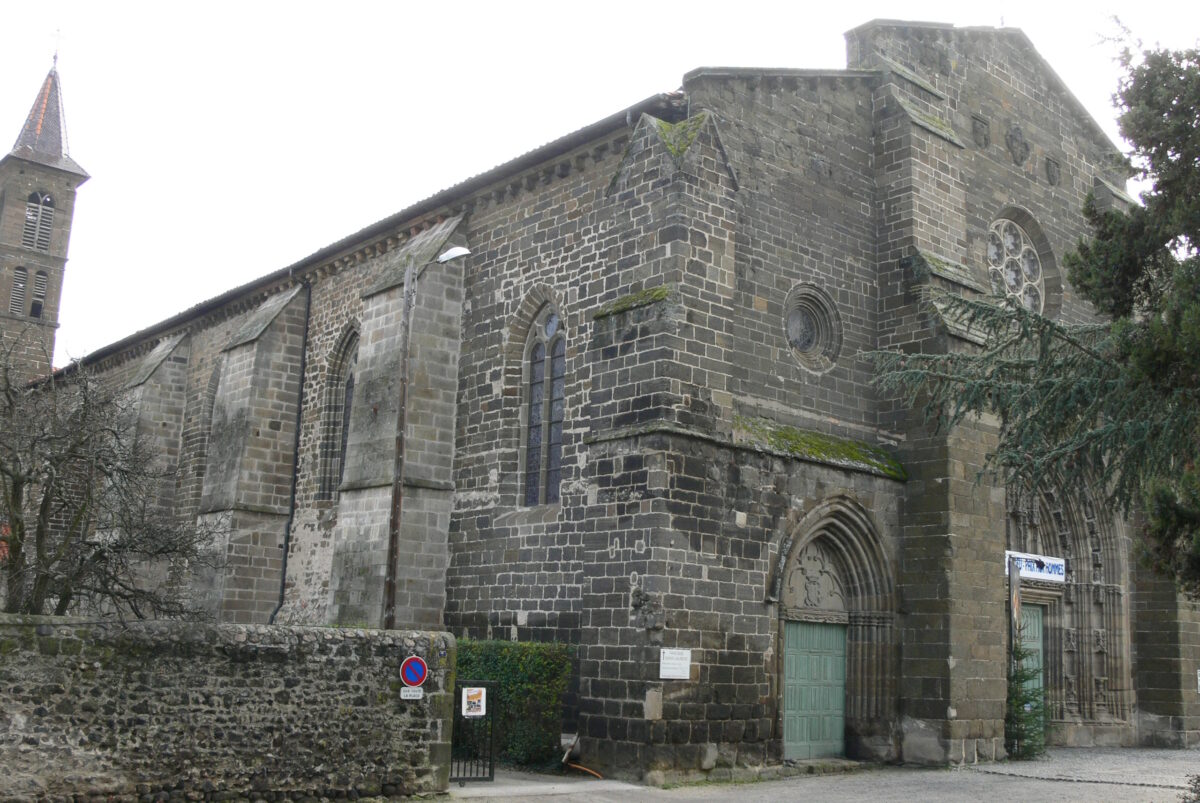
(1067, 774)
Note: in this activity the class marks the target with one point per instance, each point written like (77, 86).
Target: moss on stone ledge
(641, 298)
(820, 448)
(678, 137)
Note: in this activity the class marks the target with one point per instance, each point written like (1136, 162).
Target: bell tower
(38, 180)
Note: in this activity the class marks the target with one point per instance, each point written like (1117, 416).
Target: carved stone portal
(813, 581)
(833, 569)
(1087, 645)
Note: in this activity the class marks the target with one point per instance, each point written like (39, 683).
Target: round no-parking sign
(413, 671)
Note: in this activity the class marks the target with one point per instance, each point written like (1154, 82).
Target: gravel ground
(1135, 775)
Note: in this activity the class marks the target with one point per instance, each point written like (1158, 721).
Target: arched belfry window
(39, 220)
(16, 298)
(546, 369)
(339, 399)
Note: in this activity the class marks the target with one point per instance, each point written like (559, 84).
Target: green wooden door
(814, 690)
(1032, 626)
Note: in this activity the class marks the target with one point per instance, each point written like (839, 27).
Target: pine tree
(1025, 712)
(1114, 403)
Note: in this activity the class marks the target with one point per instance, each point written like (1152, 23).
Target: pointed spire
(44, 137)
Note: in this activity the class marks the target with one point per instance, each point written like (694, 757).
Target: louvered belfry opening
(40, 282)
(16, 299)
(39, 220)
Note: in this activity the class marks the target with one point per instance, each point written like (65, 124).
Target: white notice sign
(675, 664)
(412, 693)
(1038, 567)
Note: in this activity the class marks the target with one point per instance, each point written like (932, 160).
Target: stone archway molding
(838, 537)
(846, 528)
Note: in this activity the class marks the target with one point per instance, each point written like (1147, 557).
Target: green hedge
(531, 679)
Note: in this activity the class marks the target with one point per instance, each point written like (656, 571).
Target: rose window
(1016, 268)
(812, 327)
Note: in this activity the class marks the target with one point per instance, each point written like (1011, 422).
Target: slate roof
(43, 139)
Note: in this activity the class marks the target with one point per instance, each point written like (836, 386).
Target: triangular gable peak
(681, 143)
(932, 59)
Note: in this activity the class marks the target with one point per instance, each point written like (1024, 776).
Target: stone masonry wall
(159, 402)
(972, 127)
(698, 534)
(34, 336)
(210, 712)
(567, 236)
(1167, 648)
(800, 145)
(250, 448)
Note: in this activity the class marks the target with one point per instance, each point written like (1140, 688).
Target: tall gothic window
(39, 219)
(16, 299)
(339, 398)
(546, 368)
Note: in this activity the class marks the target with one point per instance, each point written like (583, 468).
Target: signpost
(414, 671)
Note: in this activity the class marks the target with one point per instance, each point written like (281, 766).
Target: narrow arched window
(339, 400)
(40, 282)
(546, 367)
(347, 401)
(16, 299)
(39, 220)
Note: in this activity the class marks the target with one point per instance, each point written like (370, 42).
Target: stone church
(638, 416)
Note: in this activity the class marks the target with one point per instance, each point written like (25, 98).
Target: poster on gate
(474, 702)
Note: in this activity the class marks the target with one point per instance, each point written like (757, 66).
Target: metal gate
(472, 751)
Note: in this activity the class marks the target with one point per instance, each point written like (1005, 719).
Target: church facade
(639, 417)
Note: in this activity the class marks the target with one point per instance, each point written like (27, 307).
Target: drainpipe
(287, 529)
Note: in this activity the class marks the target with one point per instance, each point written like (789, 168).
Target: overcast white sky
(226, 140)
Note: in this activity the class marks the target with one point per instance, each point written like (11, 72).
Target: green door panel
(1032, 626)
(814, 690)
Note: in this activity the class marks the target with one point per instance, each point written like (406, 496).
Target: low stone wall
(147, 710)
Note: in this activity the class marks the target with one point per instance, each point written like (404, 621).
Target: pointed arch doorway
(834, 590)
